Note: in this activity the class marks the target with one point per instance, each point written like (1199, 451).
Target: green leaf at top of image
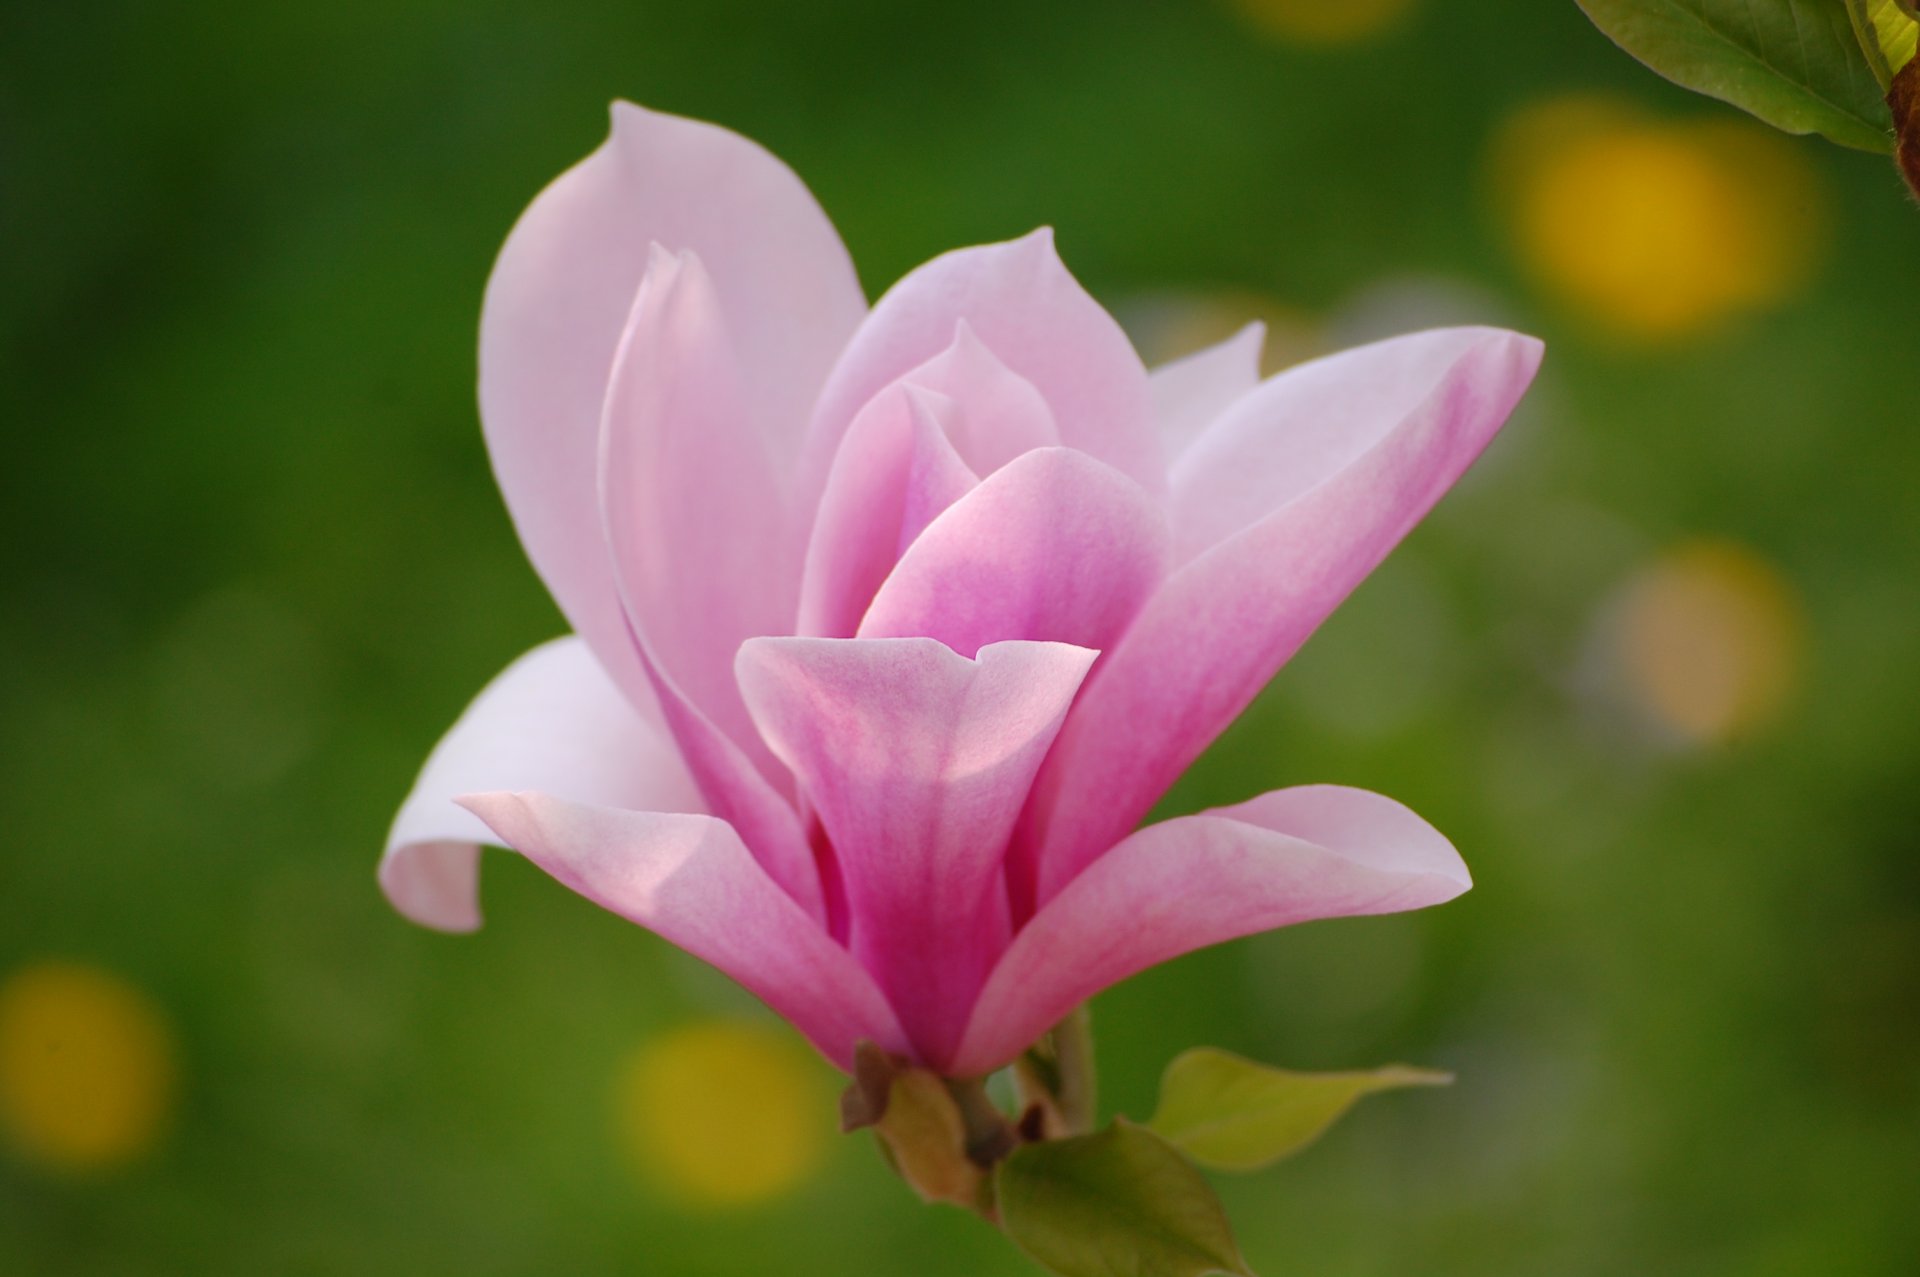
(1237, 1115)
(1887, 32)
(1120, 1203)
(1796, 64)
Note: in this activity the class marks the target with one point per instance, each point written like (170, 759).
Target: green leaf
(1235, 1115)
(1887, 32)
(1797, 64)
(1121, 1203)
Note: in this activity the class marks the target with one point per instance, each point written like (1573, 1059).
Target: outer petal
(1033, 315)
(700, 549)
(691, 880)
(1221, 625)
(553, 720)
(561, 292)
(1294, 855)
(1311, 422)
(1055, 546)
(917, 761)
(1190, 393)
(896, 471)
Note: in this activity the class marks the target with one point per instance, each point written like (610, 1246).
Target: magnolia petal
(917, 762)
(1293, 855)
(1021, 303)
(552, 720)
(998, 413)
(695, 532)
(895, 472)
(1302, 427)
(1055, 546)
(561, 293)
(1190, 393)
(691, 881)
(695, 518)
(1222, 624)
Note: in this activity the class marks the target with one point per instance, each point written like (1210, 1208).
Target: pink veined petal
(896, 471)
(560, 295)
(917, 761)
(1309, 423)
(1020, 302)
(698, 538)
(1222, 624)
(1190, 394)
(1054, 546)
(1293, 855)
(695, 516)
(691, 881)
(551, 720)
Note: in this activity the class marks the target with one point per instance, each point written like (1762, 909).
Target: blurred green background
(1652, 667)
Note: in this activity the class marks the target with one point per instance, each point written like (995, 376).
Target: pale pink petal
(696, 519)
(1221, 625)
(999, 413)
(897, 470)
(560, 296)
(1312, 421)
(1190, 393)
(1294, 855)
(701, 549)
(917, 761)
(1055, 546)
(551, 720)
(690, 880)
(1022, 305)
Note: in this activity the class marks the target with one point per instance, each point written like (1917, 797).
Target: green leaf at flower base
(1121, 1203)
(1797, 64)
(1235, 1115)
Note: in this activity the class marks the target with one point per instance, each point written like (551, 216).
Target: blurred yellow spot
(87, 1067)
(725, 1113)
(1657, 230)
(1711, 638)
(1322, 22)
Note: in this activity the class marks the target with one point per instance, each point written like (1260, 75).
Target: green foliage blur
(253, 564)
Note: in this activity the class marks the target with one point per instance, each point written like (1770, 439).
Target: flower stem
(1079, 1085)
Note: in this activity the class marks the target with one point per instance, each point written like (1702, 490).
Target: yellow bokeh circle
(724, 1113)
(88, 1067)
(1322, 22)
(1658, 230)
(1712, 640)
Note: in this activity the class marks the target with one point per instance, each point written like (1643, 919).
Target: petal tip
(433, 884)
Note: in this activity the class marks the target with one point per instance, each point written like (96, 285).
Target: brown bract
(1904, 97)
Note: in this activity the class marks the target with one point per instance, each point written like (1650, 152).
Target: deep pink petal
(1022, 305)
(1190, 394)
(703, 557)
(897, 470)
(1222, 624)
(1294, 855)
(690, 880)
(560, 296)
(552, 720)
(917, 762)
(1055, 546)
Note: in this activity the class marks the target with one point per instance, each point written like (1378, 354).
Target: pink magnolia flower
(890, 625)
